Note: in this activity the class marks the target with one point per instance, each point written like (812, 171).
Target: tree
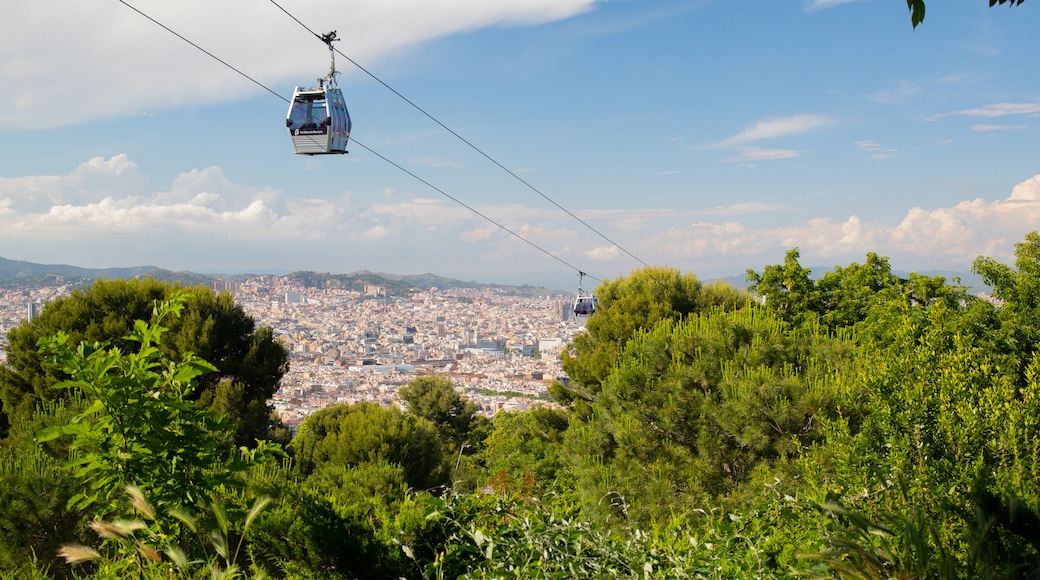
(139, 426)
(35, 516)
(350, 435)
(917, 8)
(788, 289)
(526, 444)
(695, 408)
(845, 296)
(435, 399)
(625, 305)
(249, 362)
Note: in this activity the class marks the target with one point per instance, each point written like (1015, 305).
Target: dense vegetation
(855, 425)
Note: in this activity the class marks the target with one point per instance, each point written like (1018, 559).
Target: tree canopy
(854, 425)
(625, 305)
(435, 399)
(249, 362)
(351, 435)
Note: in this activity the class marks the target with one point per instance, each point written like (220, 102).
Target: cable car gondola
(318, 120)
(584, 303)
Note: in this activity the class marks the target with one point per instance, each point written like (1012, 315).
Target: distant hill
(397, 284)
(16, 272)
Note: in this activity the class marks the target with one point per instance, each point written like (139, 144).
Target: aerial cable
(445, 194)
(208, 53)
(331, 35)
(463, 139)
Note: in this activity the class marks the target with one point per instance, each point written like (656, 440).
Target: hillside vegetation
(854, 425)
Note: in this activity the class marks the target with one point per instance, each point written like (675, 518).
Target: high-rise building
(33, 310)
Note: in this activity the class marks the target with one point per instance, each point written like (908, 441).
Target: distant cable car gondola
(318, 120)
(584, 303)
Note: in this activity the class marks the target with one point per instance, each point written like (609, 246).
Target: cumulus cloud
(925, 238)
(205, 220)
(476, 235)
(110, 39)
(603, 253)
(92, 181)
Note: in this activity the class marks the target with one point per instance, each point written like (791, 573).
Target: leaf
(917, 11)
(258, 506)
(49, 434)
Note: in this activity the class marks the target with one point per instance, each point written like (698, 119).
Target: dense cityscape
(501, 351)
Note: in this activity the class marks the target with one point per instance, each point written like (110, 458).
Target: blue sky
(707, 135)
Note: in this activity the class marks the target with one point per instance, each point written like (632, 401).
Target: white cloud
(823, 4)
(1028, 190)
(759, 154)
(203, 220)
(982, 128)
(476, 235)
(436, 162)
(780, 127)
(603, 253)
(125, 65)
(899, 91)
(995, 110)
(945, 237)
(743, 208)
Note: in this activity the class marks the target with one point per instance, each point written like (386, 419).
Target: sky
(706, 135)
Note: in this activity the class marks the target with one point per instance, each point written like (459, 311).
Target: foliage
(142, 548)
(878, 426)
(306, 534)
(845, 296)
(249, 362)
(35, 518)
(527, 442)
(351, 435)
(500, 537)
(916, 8)
(435, 399)
(626, 305)
(695, 408)
(139, 425)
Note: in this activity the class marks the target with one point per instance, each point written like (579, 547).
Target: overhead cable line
(464, 140)
(398, 166)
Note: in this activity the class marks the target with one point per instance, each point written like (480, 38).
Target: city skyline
(694, 134)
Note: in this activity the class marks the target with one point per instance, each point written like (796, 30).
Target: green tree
(349, 435)
(139, 426)
(527, 444)
(845, 296)
(696, 409)
(35, 516)
(435, 399)
(625, 305)
(788, 289)
(249, 362)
